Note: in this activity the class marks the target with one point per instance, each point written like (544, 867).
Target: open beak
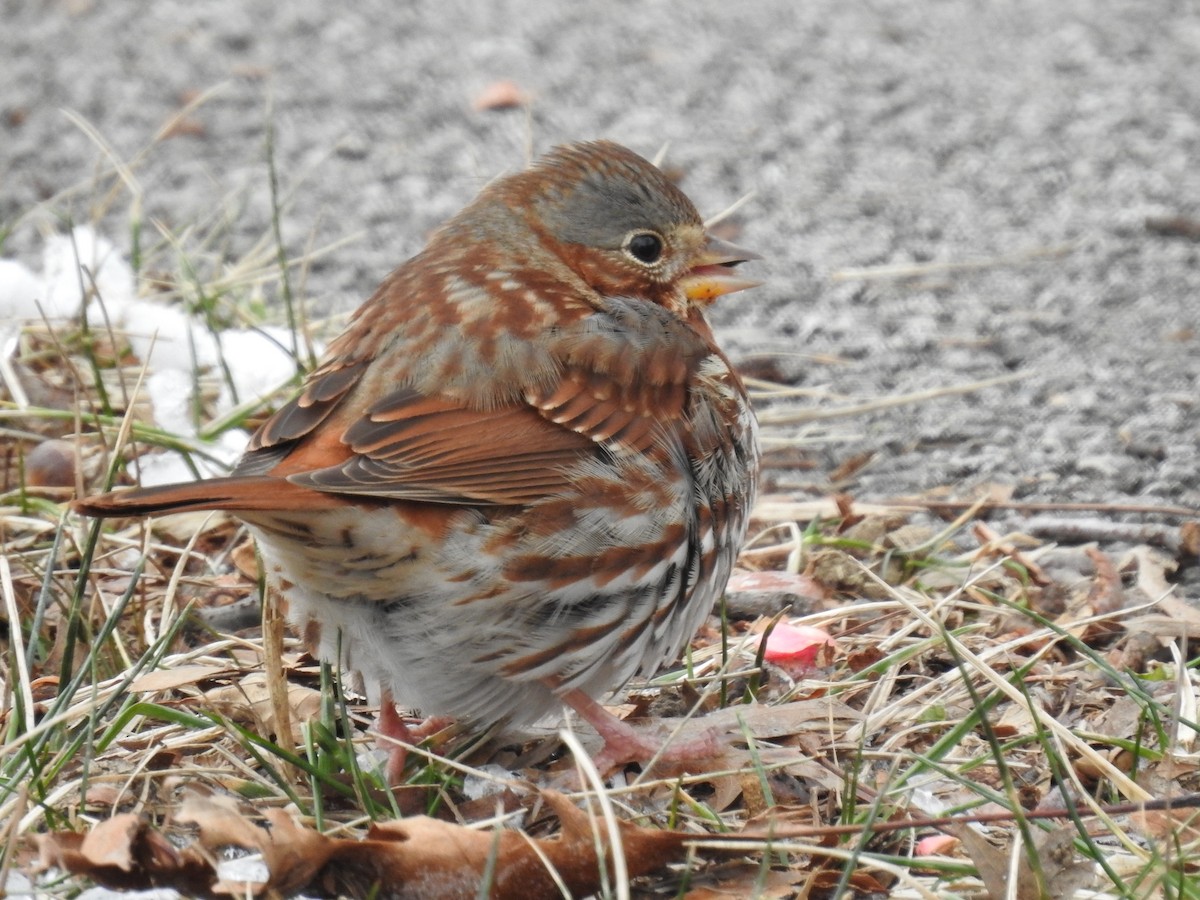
(714, 271)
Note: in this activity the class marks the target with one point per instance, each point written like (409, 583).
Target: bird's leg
(399, 735)
(623, 743)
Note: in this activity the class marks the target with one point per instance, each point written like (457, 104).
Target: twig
(1187, 801)
(800, 416)
(1082, 531)
(902, 503)
(1174, 226)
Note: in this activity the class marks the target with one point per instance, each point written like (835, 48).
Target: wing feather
(618, 384)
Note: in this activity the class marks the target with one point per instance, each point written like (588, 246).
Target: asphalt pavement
(945, 193)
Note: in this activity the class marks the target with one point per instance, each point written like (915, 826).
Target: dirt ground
(944, 193)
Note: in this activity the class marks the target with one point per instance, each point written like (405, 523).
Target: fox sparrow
(522, 473)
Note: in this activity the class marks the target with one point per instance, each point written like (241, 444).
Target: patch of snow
(20, 291)
(174, 346)
(84, 264)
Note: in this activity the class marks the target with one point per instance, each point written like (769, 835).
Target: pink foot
(399, 735)
(398, 738)
(624, 744)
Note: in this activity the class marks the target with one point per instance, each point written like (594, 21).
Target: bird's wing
(413, 447)
(612, 391)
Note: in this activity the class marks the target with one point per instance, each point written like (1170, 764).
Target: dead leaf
(784, 508)
(770, 722)
(1178, 827)
(993, 544)
(44, 688)
(1153, 567)
(183, 526)
(1189, 538)
(1168, 627)
(1134, 652)
(861, 882)
(750, 595)
(104, 794)
(291, 852)
(1063, 871)
(414, 858)
(990, 862)
(249, 702)
(152, 859)
(851, 466)
(170, 679)
(783, 582)
(837, 570)
(1106, 595)
(245, 559)
(108, 844)
(864, 657)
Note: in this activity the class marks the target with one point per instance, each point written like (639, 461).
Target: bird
(522, 473)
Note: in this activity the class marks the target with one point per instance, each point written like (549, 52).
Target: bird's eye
(645, 246)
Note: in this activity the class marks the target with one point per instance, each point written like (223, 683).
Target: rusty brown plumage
(522, 473)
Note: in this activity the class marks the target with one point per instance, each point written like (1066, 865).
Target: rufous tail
(245, 493)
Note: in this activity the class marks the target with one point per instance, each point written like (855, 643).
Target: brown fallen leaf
(1189, 538)
(818, 717)
(750, 595)
(748, 880)
(101, 794)
(1174, 827)
(851, 466)
(1063, 873)
(108, 844)
(249, 702)
(990, 862)
(292, 853)
(127, 855)
(1154, 570)
(1106, 595)
(413, 858)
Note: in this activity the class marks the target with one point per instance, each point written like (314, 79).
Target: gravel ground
(1006, 156)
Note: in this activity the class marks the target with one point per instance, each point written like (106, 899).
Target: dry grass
(976, 676)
